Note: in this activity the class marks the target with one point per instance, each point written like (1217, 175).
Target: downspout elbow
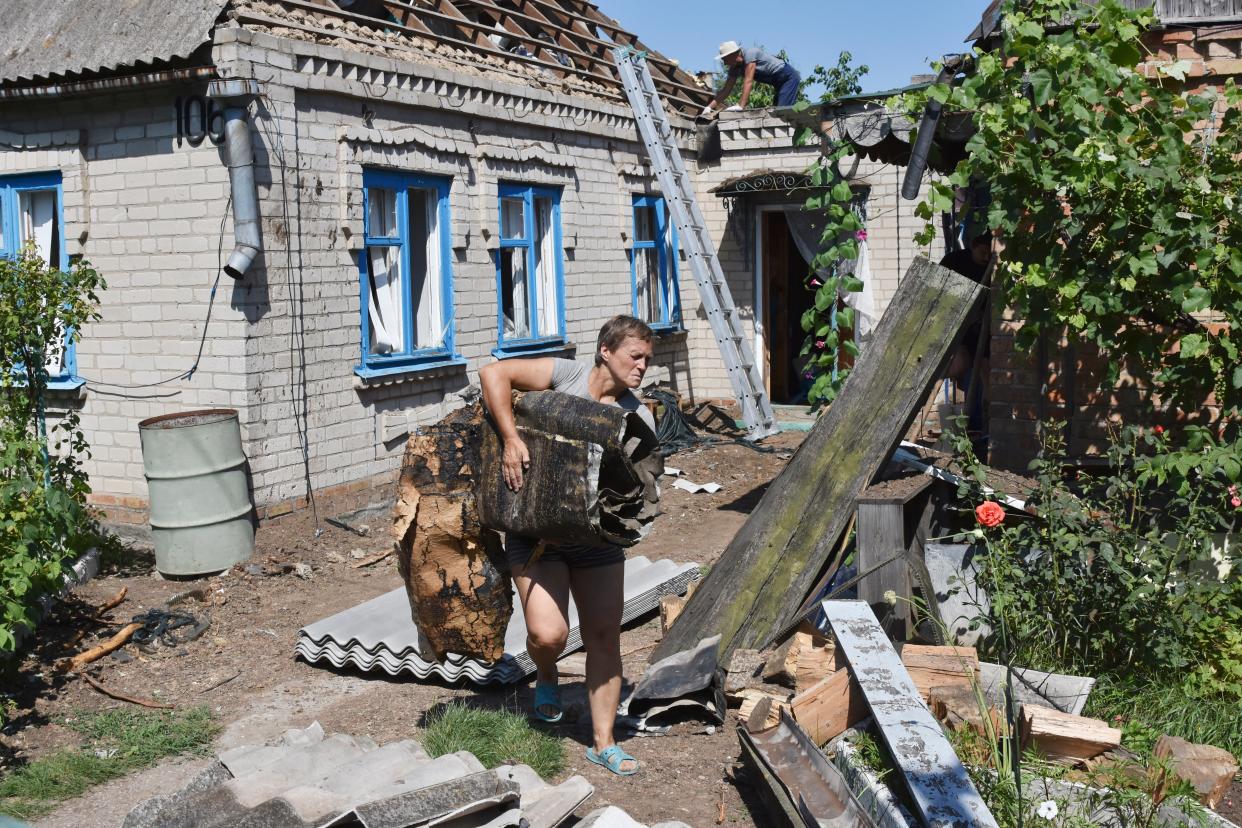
(239, 157)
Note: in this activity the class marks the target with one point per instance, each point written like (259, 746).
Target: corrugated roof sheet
(49, 38)
(379, 635)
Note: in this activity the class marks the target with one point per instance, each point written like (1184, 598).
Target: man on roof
(753, 64)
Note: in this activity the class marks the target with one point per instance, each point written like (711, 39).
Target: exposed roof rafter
(565, 38)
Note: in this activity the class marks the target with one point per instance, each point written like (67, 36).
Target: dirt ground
(244, 668)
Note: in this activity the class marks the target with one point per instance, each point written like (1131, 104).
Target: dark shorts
(518, 550)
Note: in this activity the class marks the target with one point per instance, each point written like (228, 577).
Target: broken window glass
(408, 309)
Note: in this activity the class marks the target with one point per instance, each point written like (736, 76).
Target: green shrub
(1125, 571)
(43, 518)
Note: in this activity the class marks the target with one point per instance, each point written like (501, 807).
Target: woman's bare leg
(544, 591)
(599, 594)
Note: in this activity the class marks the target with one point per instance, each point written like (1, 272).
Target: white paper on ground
(695, 488)
(670, 471)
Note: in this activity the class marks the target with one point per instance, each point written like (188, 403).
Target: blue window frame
(530, 270)
(32, 209)
(653, 265)
(407, 278)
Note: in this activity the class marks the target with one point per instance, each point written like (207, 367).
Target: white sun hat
(727, 48)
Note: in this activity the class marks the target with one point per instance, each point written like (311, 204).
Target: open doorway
(783, 277)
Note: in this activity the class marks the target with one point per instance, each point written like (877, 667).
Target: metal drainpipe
(953, 64)
(239, 157)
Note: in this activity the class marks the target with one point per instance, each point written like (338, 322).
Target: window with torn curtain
(31, 212)
(530, 275)
(653, 265)
(407, 282)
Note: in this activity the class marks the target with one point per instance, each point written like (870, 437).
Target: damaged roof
(54, 38)
(566, 44)
(562, 44)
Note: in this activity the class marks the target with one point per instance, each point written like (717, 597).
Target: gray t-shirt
(570, 377)
(768, 68)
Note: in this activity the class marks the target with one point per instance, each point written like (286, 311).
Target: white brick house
(428, 202)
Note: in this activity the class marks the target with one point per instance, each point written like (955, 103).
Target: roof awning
(878, 133)
(758, 182)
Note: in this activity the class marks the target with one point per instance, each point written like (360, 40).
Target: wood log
(97, 652)
(940, 666)
(957, 707)
(828, 708)
(744, 670)
(1208, 769)
(454, 569)
(670, 608)
(802, 661)
(754, 591)
(1064, 737)
(752, 697)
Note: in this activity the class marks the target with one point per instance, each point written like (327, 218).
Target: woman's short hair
(617, 329)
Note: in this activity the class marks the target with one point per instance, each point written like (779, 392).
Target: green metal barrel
(200, 502)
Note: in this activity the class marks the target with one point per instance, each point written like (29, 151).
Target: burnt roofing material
(54, 38)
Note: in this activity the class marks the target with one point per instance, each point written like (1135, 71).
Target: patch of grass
(115, 742)
(494, 736)
(1149, 707)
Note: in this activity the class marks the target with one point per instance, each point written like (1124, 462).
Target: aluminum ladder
(722, 314)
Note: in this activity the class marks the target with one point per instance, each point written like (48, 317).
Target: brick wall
(147, 212)
(284, 342)
(1062, 381)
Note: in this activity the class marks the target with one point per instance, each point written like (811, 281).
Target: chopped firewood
(940, 666)
(1064, 737)
(802, 661)
(100, 650)
(815, 663)
(831, 706)
(744, 667)
(762, 717)
(751, 697)
(112, 694)
(1208, 769)
(670, 608)
(958, 708)
(373, 559)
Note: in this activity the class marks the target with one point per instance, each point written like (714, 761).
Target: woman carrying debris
(594, 575)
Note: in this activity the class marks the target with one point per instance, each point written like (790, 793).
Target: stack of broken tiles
(309, 780)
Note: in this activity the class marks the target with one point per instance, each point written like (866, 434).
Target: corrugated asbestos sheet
(379, 635)
(46, 38)
(314, 780)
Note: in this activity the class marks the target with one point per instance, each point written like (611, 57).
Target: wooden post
(756, 589)
(891, 518)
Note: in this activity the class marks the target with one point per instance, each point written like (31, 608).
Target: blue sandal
(548, 696)
(611, 757)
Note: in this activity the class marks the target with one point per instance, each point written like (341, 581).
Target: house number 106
(198, 117)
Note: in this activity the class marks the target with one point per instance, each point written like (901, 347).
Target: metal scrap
(806, 786)
(685, 682)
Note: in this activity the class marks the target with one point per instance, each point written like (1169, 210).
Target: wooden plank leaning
(754, 592)
(938, 783)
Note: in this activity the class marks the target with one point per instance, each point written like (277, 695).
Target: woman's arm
(499, 380)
